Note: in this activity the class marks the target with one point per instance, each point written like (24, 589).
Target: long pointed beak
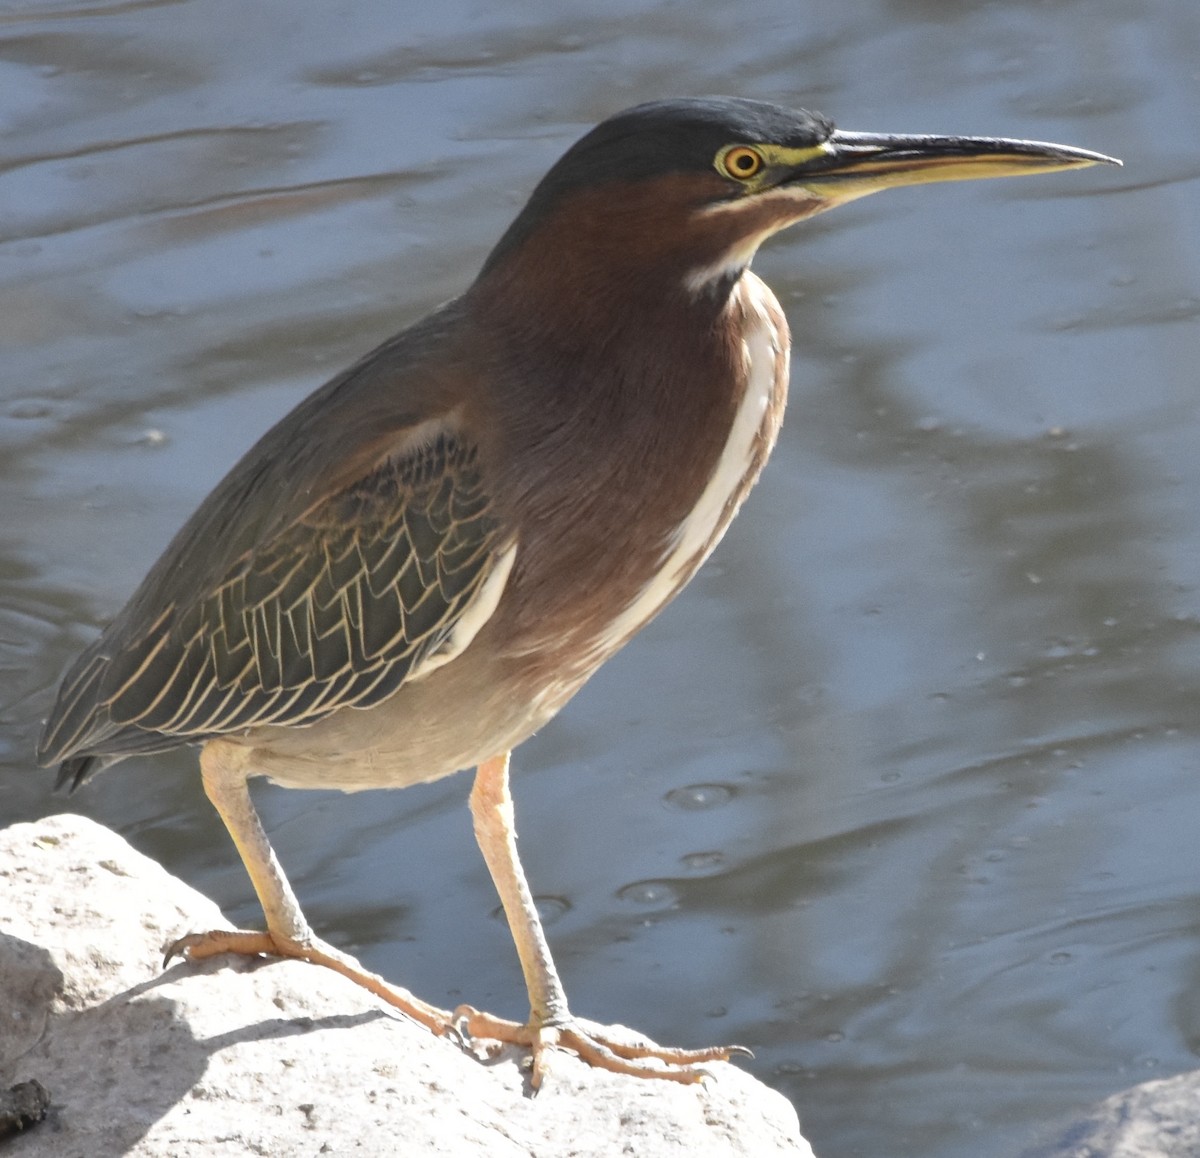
(854, 164)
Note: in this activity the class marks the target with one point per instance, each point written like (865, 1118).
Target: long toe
(605, 1047)
(198, 946)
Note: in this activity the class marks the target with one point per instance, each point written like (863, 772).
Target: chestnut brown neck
(615, 386)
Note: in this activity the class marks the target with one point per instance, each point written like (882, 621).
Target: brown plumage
(419, 565)
(334, 610)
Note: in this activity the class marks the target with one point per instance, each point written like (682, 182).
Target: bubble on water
(550, 909)
(649, 894)
(698, 797)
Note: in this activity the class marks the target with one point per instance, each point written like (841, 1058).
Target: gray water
(902, 792)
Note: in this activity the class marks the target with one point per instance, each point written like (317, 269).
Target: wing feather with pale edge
(335, 610)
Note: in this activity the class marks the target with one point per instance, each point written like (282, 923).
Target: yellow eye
(740, 162)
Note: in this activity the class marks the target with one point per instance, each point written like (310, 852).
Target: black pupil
(745, 162)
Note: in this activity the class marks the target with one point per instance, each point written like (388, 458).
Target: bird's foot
(198, 946)
(601, 1046)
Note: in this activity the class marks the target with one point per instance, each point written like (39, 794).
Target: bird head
(685, 191)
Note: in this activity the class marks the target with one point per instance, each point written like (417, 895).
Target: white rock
(282, 1058)
(1158, 1119)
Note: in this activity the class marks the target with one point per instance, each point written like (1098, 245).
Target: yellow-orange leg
(550, 1023)
(224, 771)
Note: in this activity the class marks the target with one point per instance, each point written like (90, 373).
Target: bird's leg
(223, 768)
(550, 1022)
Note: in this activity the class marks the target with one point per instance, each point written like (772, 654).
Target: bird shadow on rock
(29, 983)
(115, 1068)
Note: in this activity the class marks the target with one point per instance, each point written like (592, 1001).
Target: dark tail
(76, 771)
(71, 722)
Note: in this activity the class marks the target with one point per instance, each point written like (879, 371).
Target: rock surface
(1159, 1119)
(281, 1058)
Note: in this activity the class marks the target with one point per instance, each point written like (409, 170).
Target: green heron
(426, 559)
